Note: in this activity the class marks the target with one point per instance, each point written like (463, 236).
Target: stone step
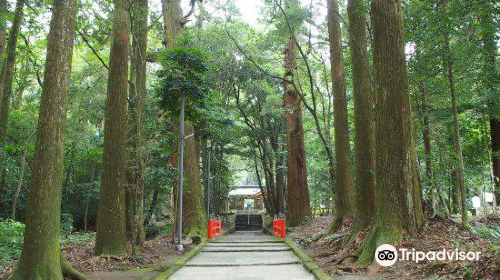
(235, 249)
(246, 255)
(243, 258)
(246, 244)
(263, 272)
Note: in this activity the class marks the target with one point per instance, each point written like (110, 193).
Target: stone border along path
(245, 255)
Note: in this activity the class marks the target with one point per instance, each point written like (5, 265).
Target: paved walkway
(244, 256)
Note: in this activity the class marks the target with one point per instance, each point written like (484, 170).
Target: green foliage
(12, 238)
(166, 228)
(492, 232)
(467, 273)
(183, 72)
(332, 238)
(11, 241)
(66, 223)
(213, 71)
(78, 238)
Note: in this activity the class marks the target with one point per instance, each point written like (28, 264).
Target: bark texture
(111, 217)
(194, 218)
(173, 22)
(397, 195)
(298, 194)
(137, 96)
(364, 140)
(7, 73)
(41, 255)
(343, 179)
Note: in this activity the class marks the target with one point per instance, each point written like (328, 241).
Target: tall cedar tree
(7, 73)
(437, 198)
(364, 140)
(194, 218)
(397, 195)
(298, 194)
(448, 73)
(343, 180)
(137, 96)
(490, 82)
(41, 255)
(111, 236)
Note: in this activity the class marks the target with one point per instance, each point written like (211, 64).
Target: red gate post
(210, 229)
(218, 227)
(274, 225)
(283, 228)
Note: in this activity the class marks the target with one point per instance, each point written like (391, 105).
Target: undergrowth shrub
(11, 241)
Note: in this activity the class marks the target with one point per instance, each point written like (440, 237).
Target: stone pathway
(245, 255)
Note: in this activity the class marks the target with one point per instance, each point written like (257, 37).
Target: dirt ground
(156, 252)
(438, 234)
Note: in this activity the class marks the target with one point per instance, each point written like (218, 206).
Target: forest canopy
(363, 122)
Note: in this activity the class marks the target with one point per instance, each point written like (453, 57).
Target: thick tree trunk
(298, 194)
(137, 96)
(364, 139)
(111, 236)
(397, 195)
(41, 255)
(7, 73)
(173, 22)
(194, 218)
(343, 180)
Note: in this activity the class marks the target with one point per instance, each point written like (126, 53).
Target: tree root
(376, 236)
(358, 227)
(336, 224)
(340, 260)
(69, 272)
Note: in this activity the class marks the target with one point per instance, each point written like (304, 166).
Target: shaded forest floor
(159, 251)
(438, 234)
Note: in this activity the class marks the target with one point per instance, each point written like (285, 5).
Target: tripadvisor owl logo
(386, 255)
